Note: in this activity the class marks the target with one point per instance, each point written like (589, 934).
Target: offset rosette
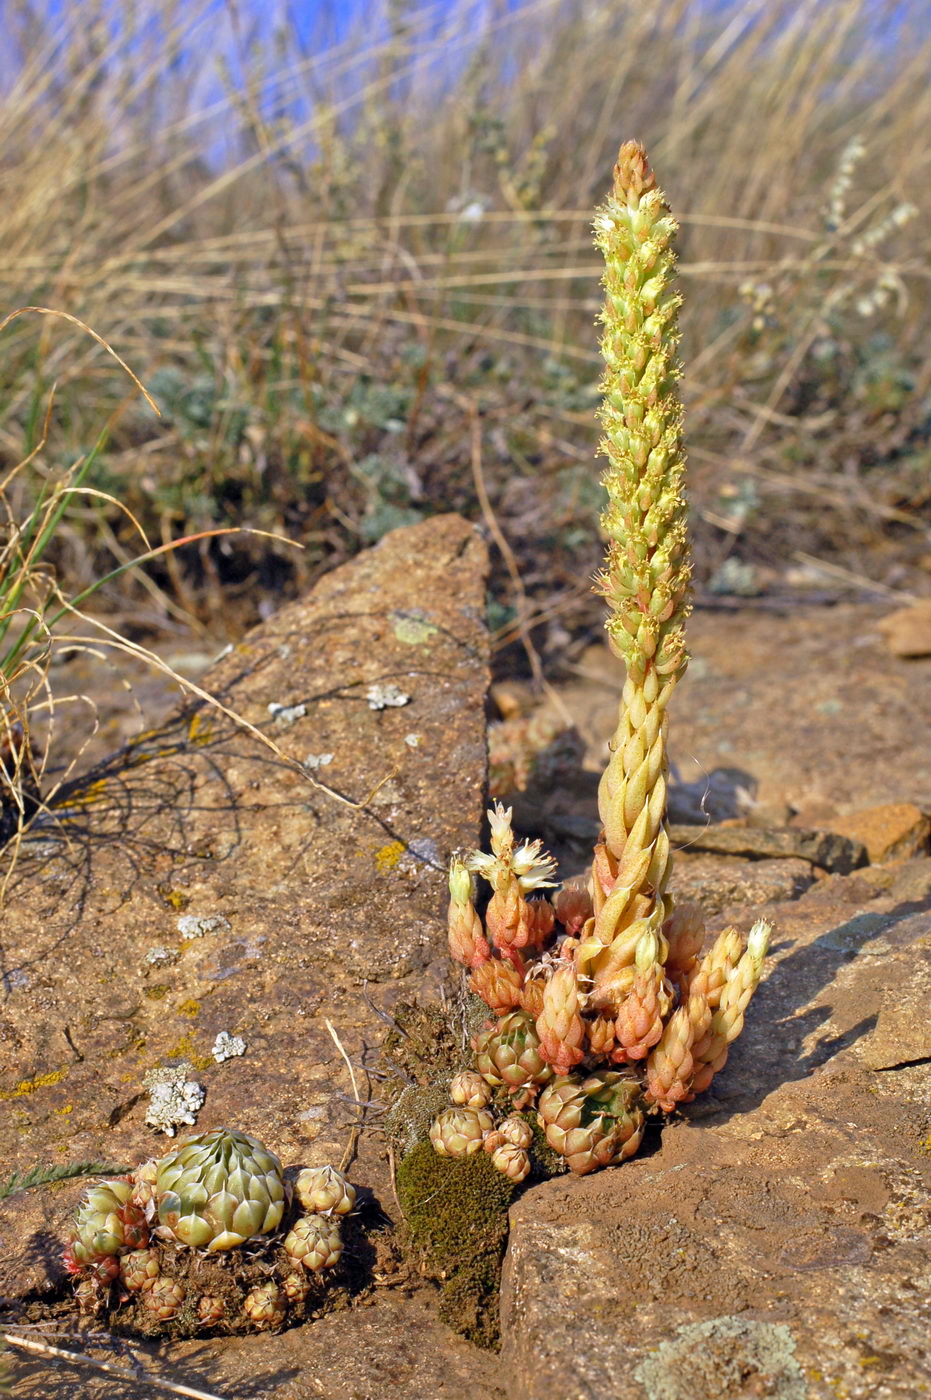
(510, 1054)
(107, 1223)
(595, 1122)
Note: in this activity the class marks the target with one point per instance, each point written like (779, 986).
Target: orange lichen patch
(29, 1086)
(388, 857)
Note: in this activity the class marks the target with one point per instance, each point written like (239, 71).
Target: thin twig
(356, 1128)
(79, 1358)
(865, 585)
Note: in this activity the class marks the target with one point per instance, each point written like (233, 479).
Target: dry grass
(319, 254)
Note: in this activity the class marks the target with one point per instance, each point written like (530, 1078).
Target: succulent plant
(107, 1222)
(315, 1242)
(211, 1310)
(265, 1306)
(509, 1053)
(106, 1270)
(608, 972)
(511, 1161)
(325, 1190)
(517, 1131)
(295, 1287)
(143, 1179)
(165, 1298)
(139, 1270)
(595, 1122)
(458, 1132)
(469, 1090)
(219, 1189)
(90, 1297)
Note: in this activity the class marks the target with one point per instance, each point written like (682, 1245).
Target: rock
(309, 898)
(775, 1241)
(894, 831)
(805, 709)
(908, 630)
(827, 849)
(32, 1229)
(902, 1034)
(718, 882)
(911, 881)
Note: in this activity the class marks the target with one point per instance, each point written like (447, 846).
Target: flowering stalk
(604, 1008)
(647, 570)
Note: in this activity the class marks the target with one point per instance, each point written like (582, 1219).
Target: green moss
(544, 1162)
(456, 1214)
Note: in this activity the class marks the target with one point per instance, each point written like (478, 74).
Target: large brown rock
(775, 1241)
(892, 831)
(322, 891)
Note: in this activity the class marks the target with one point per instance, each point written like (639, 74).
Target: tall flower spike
(647, 573)
(609, 972)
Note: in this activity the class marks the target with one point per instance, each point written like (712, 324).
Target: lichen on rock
(176, 1098)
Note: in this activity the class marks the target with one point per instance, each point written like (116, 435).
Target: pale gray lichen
(725, 1357)
(383, 697)
(197, 925)
(160, 957)
(227, 1047)
(283, 715)
(175, 1098)
(318, 760)
(413, 741)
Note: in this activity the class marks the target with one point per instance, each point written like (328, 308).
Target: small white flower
(502, 837)
(534, 869)
(758, 940)
(486, 866)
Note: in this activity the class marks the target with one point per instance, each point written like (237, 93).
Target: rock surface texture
(772, 1241)
(776, 1241)
(298, 904)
